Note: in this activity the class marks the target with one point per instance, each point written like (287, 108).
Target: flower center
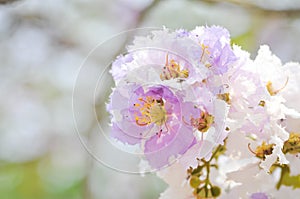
(172, 70)
(262, 150)
(150, 110)
(202, 123)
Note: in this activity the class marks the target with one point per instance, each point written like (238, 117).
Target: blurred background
(42, 46)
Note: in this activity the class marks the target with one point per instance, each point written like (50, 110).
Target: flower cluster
(197, 107)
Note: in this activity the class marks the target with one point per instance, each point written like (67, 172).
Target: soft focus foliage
(42, 46)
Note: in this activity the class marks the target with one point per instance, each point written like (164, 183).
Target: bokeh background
(42, 45)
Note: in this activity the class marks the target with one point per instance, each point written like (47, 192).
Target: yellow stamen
(204, 50)
(152, 111)
(271, 89)
(173, 70)
(203, 123)
(262, 150)
(292, 145)
(225, 97)
(262, 103)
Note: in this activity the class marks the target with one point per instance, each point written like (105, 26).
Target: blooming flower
(162, 100)
(150, 116)
(181, 94)
(256, 114)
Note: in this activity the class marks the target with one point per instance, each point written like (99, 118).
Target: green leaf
(288, 180)
(291, 181)
(197, 171)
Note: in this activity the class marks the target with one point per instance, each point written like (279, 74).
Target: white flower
(257, 106)
(251, 179)
(175, 176)
(294, 161)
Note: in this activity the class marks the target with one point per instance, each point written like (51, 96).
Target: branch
(251, 6)
(7, 1)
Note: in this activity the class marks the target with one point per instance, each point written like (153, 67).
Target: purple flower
(152, 117)
(217, 54)
(164, 100)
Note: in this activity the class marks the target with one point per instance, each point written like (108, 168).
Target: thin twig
(251, 6)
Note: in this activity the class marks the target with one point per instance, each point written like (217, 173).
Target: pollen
(150, 111)
(173, 70)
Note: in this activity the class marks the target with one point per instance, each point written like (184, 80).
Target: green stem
(284, 170)
(207, 182)
(215, 153)
(206, 185)
(207, 166)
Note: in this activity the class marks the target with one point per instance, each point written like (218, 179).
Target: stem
(284, 170)
(251, 6)
(207, 166)
(215, 152)
(207, 182)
